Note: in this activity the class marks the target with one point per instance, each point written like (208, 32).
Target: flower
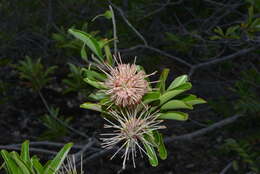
(70, 167)
(126, 84)
(130, 129)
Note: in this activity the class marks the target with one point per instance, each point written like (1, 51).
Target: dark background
(184, 36)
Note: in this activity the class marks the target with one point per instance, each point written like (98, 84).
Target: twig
(203, 131)
(114, 29)
(228, 166)
(11, 147)
(160, 9)
(218, 60)
(160, 52)
(99, 154)
(129, 24)
(58, 120)
(84, 149)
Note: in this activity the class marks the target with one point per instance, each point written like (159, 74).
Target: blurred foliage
(75, 82)
(55, 129)
(15, 163)
(34, 72)
(247, 156)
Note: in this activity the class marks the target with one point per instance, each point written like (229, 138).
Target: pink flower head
(126, 84)
(130, 128)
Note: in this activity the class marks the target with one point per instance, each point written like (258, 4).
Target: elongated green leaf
(94, 83)
(37, 165)
(91, 106)
(108, 14)
(172, 93)
(97, 96)
(176, 104)
(163, 78)
(90, 41)
(178, 82)
(22, 164)
(151, 154)
(25, 155)
(83, 53)
(56, 163)
(108, 54)
(161, 147)
(181, 116)
(11, 166)
(150, 97)
(93, 75)
(193, 100)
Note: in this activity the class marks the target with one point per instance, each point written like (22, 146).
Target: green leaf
(256, 23)
(161, 147)
(97, 96)
(83, 53)
(22, 165)
(108, 14)
(151, 96)
(108, 54)
(95, 84)
(91, 106)
(25, 151)
(163, 78)
(176, 104)
(11, 166)
(151, 154)
(172, 93)
(250, 14)
(93, 75)
(193, 100)
(58, 37)
(37, 165)
(215, 37)
(90, 41)
(219, 31)
(181, 116)
(231, 30)
(178, 82)
(56, 163)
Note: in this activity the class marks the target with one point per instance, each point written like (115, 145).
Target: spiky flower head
(126, 83)
(70, 166)
(130, 128)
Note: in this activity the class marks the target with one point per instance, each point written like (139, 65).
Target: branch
(114, 29)
(84, 149)
(39, 150)
(218, 60)
(160, 9)
(178, 59)
(228, 166)
(203, 131)
(128, 23)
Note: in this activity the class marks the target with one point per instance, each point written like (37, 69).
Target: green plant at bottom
(22, 163)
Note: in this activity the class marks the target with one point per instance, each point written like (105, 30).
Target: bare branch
(228, 166)
(219, 60)
(203, 131)
(114, 29)
(38, 150)
(160, 52)
(163, 6)
(128, 23)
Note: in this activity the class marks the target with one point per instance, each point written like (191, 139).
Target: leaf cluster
(22, 163)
